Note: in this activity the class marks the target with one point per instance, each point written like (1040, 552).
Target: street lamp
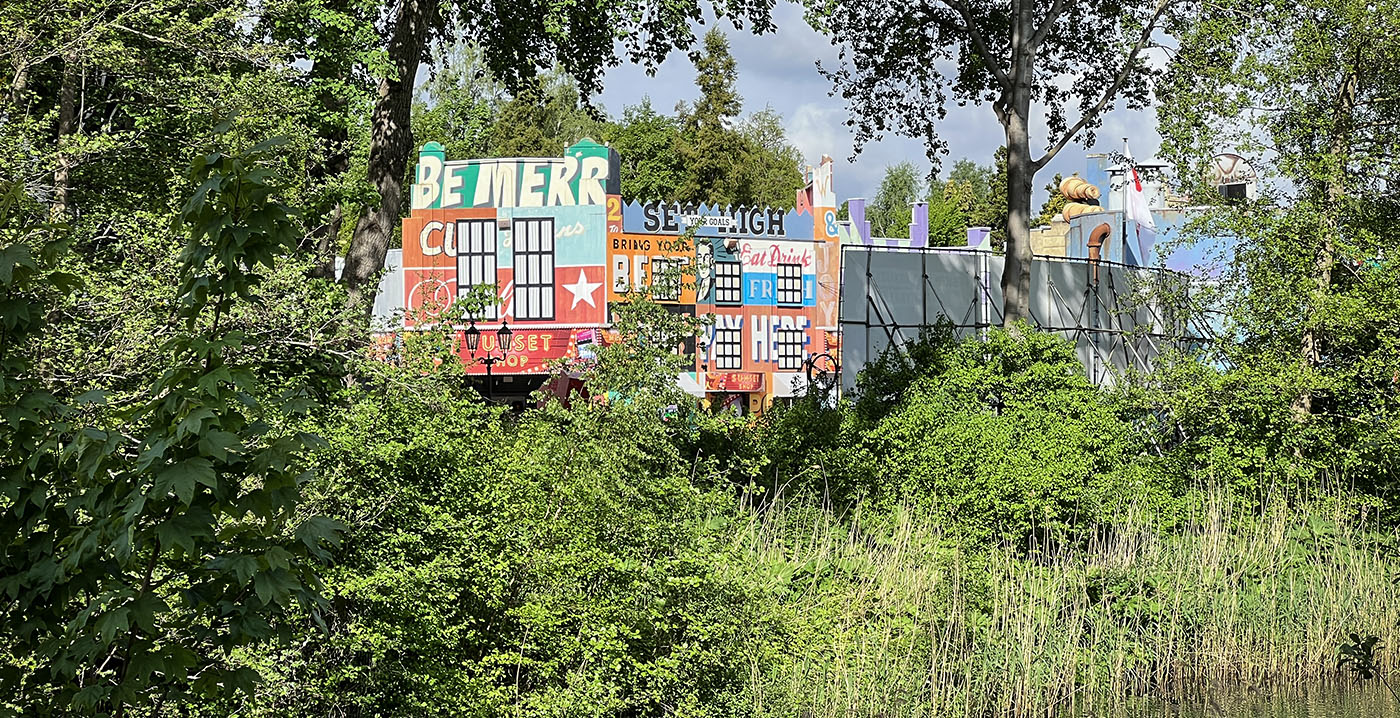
(472, 336)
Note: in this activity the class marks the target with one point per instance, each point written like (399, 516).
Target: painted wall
(601, 251)
(757, 240)
(552, 210)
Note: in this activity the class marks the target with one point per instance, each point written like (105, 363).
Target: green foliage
(772, 163)
(1307, 290)
(1054, 204)
(974, 186)
(1358, 656)
(978, 531)
(459, 105)
(146, 540)
(889, 213)
(725, 162)
(541, 120)
(646, 357)
(994, 213)
(1006, 437)
(648, 144)
(556, 565)
(947, 223)
(883, 382)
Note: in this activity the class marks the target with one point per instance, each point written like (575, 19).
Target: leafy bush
(558, 564)
(1005, 438)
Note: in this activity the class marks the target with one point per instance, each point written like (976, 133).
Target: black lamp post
(472, 336)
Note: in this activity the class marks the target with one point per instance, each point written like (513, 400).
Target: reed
(890, 615)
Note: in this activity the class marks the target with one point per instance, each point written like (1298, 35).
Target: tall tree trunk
(67, 125)
(20, 82)
(1016, 276)
(1020, 168)
(1335, 192)
(326, 233)
(391, 143)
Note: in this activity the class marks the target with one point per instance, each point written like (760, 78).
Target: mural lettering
(772, 254)
(439, 238)
(531, 351)
(714, 221)
(582, 177)
(763, 335)
(633, 258)
(632, 276)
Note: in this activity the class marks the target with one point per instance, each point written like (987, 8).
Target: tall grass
(892, 616)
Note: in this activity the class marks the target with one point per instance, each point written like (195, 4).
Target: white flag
(1137, 209)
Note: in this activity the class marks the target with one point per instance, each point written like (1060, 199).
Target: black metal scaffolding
(1119, 317)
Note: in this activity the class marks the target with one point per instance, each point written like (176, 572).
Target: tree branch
(1110, 93)
(979, 42)
(204, 51)
(1046, 24)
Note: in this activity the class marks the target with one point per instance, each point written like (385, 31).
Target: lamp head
(472, 337)
(503, 339)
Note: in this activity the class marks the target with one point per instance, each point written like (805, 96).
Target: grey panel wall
(1118, 316)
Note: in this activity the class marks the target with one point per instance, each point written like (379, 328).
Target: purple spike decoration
(856, 209)
(918, 228)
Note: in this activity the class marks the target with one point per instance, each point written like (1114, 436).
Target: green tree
(542, 120)
(900, 65)
(146, 540)
(1054, 204)
(459, 103)
(712, 153)
(648, 144)
(889, 213)
(995, 213)
(772, 163)
(516, 42)
(154, 81)
(336, 39)
(1309, 284)
(947, 217)
(974, 182)
(1002, 436)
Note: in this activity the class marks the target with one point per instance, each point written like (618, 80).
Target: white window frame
(789, 285)
(790, 349)
(725, 292)
(532, 247)
(476, 260)
(729, 349)
(665, 283)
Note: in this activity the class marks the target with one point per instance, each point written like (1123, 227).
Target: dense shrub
(558, 564)
(1005, 437)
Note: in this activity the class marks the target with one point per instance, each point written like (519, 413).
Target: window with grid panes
(665, 279)
(728, 346)
(790, 284)
(790, 349)
(476, 259)
(729, 283)
(533, 244)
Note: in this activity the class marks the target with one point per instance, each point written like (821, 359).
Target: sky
(780, 70)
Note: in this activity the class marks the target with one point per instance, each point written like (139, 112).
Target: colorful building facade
(559, 248)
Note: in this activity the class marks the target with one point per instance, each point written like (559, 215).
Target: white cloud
(816, 130)
(779, 70)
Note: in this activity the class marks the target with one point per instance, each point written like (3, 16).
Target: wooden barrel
(1075, 187)
(1074, 209)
